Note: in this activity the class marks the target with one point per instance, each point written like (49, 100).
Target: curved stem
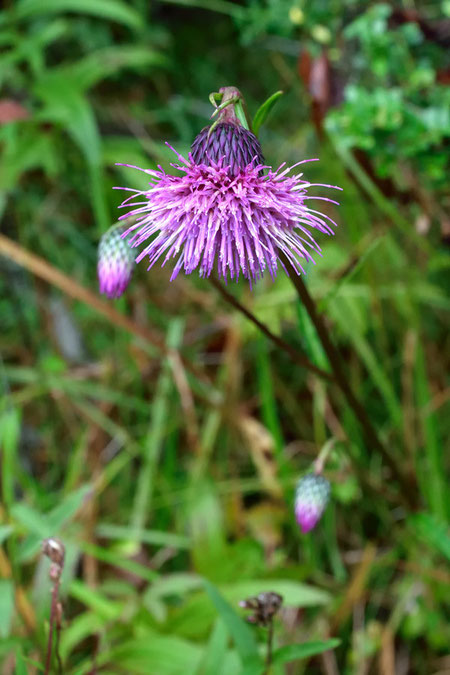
(343, 383)
(279, 342)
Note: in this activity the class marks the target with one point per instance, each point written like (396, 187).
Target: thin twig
(279, 342)
(343, 383)
(44, 270)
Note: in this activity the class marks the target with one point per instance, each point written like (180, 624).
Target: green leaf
(154, 653)
(5, 531)
(264, 110)
(9, 442)
(95, 600)
(240, 632)
(112, 10)
(103, 63)
(6, 606)
(67, 106)
(434, 531)
(21, 664)
(216, 649)
(303, 651)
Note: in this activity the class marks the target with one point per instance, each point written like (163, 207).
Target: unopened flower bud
(228, 145)
(311, 498)
(115, 262)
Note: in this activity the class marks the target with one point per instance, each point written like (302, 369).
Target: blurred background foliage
(159, 472)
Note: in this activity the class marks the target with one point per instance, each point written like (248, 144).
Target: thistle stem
(343, 383)
(279, 342)
(269, 646)
(53, 623)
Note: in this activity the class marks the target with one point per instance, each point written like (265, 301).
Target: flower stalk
(341, 378)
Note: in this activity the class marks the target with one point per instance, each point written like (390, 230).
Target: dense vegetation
(160, 436)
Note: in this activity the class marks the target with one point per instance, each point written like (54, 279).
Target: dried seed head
(265, 606)
(311, 498)
(54, 549)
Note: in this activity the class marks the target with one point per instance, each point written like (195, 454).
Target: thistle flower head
(115, 262)
(311, 498)
(226, 208)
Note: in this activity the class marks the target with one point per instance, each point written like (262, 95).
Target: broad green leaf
(303, 651)
(264, 110)
(154, 654)
(66, 105)
(111, 10)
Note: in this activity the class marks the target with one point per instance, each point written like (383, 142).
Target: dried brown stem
(42, 269)
(54, 549)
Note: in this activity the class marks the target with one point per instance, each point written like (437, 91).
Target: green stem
(342, 381)
(279, 342)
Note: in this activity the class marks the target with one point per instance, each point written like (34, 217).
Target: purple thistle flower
(311, 498)
(226, 208)
(115, 262)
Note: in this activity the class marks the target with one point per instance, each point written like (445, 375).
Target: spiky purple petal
(241, 223)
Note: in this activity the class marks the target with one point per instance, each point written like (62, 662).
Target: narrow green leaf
(95, 600)
(21, 664)
(436, 483)
(111, 10)
(68, 507)
(5, 531)
(215, 650)
(433, 531)
(153, 442)
(9, 442)
(303, 651)
(6, 606)
(264, 110)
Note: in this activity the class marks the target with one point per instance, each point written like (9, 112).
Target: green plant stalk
(279, 342)
(343, 384)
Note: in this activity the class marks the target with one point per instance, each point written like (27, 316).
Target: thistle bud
(227, 144)
(311, 498)
(115, 262)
